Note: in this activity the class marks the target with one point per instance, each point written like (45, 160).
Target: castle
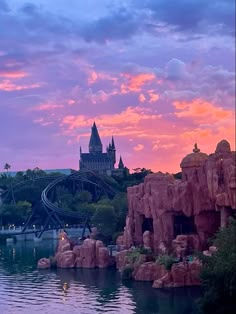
(98, 161)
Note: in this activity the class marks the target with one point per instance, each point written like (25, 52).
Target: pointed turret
(80, 150)
(95, 144)
(113, 143)
(121, 164)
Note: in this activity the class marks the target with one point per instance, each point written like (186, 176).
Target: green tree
(105, 220)
(219, 274)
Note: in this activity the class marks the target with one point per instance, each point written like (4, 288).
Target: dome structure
(195, 159)
(223, 147)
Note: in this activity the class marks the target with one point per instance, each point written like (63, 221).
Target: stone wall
(203, 199)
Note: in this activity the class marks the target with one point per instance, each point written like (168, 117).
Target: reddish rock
(44, 263)
(77, 250)
(149, 271)
(103, 258)
(184, 245)
(63, 246)
(148, 239)
(88, 253)
(122, 260)
(65, 259)
(206, 195)
(179, 274)
(165, 281)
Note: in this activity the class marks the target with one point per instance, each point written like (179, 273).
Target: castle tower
(95, 144)
(121, 164)
(113, 148)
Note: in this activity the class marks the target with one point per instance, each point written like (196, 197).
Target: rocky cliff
(195, 206)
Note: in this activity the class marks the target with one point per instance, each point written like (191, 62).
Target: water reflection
(26, 290)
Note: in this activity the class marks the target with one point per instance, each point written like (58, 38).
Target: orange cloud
(153, 96)
(94, 76)
(201, 111)
(135, 82)
(8, 86)
(141, 98)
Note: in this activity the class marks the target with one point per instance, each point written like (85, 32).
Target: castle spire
(121, 164)
(95, 144)
(113, 143)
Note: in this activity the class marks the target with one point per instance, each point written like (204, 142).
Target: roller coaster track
(53, 212)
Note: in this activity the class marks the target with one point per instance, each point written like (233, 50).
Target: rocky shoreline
(141, 265)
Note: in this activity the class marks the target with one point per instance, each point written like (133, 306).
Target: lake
(26, 290)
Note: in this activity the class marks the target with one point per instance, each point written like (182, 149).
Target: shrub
(127, 272)
(133, 255)
(219, 274)
(166, 260)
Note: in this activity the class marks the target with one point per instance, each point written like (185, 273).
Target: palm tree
(7, 167)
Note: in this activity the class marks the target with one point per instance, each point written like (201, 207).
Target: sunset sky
(158, 75)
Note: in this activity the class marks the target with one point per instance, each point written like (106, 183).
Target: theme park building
(98, 161)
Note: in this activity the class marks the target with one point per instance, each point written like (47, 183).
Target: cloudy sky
(158, 75)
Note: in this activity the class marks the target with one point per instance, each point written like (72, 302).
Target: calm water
(24, 289)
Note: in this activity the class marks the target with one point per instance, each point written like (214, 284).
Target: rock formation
(89, 254)
(162, 208)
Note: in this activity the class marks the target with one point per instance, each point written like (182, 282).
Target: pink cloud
(8, 86)
(47, 107)
(13, 74)
(139, 147)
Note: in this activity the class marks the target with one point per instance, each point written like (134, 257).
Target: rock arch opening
(184, 225)
(147, 224)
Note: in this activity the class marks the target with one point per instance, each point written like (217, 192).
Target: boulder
(65, 259)
(63, 245)
(147, 239)
(122, 260)
(88, 253)
(44, 263)
(149, 271)
(165, 281)
(103, 258)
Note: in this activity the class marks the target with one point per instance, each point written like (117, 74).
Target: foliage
(126, 273)
(105, 220)
(133, 255)
(166, 260)
(15, 213)
(219, 274)
(107, 214)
